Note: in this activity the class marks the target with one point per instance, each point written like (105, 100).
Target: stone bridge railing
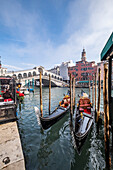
(45, 81)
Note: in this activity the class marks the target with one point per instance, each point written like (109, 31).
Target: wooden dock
(11, 155)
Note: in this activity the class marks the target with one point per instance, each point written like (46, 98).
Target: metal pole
(49, 94)
(41, 106)
(33, 83)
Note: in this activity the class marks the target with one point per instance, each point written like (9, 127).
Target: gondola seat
(81, 109)
(84, 103)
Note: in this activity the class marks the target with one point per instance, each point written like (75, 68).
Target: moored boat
(56, 115)
(83, 120)
(24, 91)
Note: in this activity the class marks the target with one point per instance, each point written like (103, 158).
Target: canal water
(54, 149)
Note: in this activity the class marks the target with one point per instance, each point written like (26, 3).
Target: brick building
(83, 70)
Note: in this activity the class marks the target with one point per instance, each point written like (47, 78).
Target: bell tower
(83, 58)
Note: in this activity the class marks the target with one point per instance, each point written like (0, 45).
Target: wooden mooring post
(41, 105)
(106, 117)
(71, 101)
(49, 94)
(93, 91)
(73, 92)
(89, 88)
(99, 98)
(95, 96)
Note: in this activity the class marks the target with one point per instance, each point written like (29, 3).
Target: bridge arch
(45, 73)
(34, 73)
(19, 75)
(29, 74)
(14, 75)
(61, 79)
(25, 75)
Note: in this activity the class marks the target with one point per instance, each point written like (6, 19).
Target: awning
(108, 48)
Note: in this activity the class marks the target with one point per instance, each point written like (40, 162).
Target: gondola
(56, 115)
(84, 119)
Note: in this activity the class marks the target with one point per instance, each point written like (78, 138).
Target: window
(29, 74)
(25, 75)
(34, 73)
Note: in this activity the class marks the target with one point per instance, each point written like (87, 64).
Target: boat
(56, 115)
(84, 119)
(24, 91)
(7, 100)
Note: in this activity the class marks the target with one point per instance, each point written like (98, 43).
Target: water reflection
(49, 138)
(53, 148)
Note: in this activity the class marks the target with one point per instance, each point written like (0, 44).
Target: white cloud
(12, 67)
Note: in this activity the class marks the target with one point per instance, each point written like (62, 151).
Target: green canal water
(54, 149)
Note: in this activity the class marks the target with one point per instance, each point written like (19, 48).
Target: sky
(49, 32)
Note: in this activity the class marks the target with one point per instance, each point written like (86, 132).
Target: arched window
(34, 73)
(45, 74)
(29, 74)
(14, 75)
(25, 75)
(19, 75)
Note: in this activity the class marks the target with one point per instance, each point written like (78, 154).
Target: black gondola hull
(47, 122)
(83, 125)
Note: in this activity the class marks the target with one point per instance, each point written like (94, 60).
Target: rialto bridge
(32, 75)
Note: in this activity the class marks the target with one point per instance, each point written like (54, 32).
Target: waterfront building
(55, 70)
(64, 69)
(83, 70)
(2, 70)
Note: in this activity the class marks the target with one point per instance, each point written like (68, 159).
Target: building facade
(64, 69)
(83, 70)
(2, 70)
(55, 70)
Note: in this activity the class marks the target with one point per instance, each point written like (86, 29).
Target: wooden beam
(93, 91)
(99, 98)
(41, 105)
(106, 116)
(49, 94)
(95, 96)
(73, 91)
(89, 88)
(71, 101)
